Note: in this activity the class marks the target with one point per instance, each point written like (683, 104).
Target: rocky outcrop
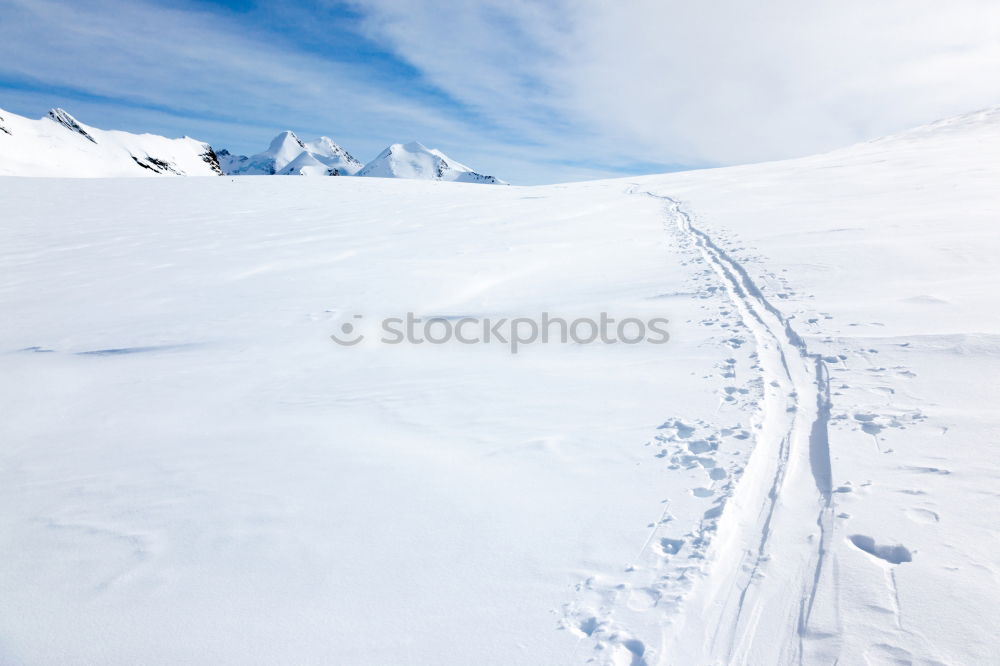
(70, 123)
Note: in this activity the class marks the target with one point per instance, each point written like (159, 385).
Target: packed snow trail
(769, 596)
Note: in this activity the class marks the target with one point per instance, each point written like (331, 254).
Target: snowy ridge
(60, 145)
(974, 122)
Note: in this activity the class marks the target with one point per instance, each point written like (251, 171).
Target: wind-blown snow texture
(806, 473)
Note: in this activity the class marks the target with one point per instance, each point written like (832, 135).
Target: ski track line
(769, 566)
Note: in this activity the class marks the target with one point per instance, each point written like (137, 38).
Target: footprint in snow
(923, 516)
(896, 554)
(671, 546)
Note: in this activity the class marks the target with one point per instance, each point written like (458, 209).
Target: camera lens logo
(350, 338)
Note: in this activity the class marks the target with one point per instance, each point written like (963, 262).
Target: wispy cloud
(694, 82)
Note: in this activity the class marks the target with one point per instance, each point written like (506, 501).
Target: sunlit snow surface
(191, 471)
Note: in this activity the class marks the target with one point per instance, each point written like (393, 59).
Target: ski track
(767, 594)
(793, 430)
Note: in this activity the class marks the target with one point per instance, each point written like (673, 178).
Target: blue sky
(531, 91)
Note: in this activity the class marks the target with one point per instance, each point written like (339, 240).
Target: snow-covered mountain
(414, 160)
(60, 145)
(290, 156)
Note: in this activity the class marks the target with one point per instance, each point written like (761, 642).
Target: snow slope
(414, 160)
(877, 263)
(806, 473)
(290, 156)
(59, 145)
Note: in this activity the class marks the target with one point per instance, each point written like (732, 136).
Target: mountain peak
(327, 151)
(284, 141)
(412, 147)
